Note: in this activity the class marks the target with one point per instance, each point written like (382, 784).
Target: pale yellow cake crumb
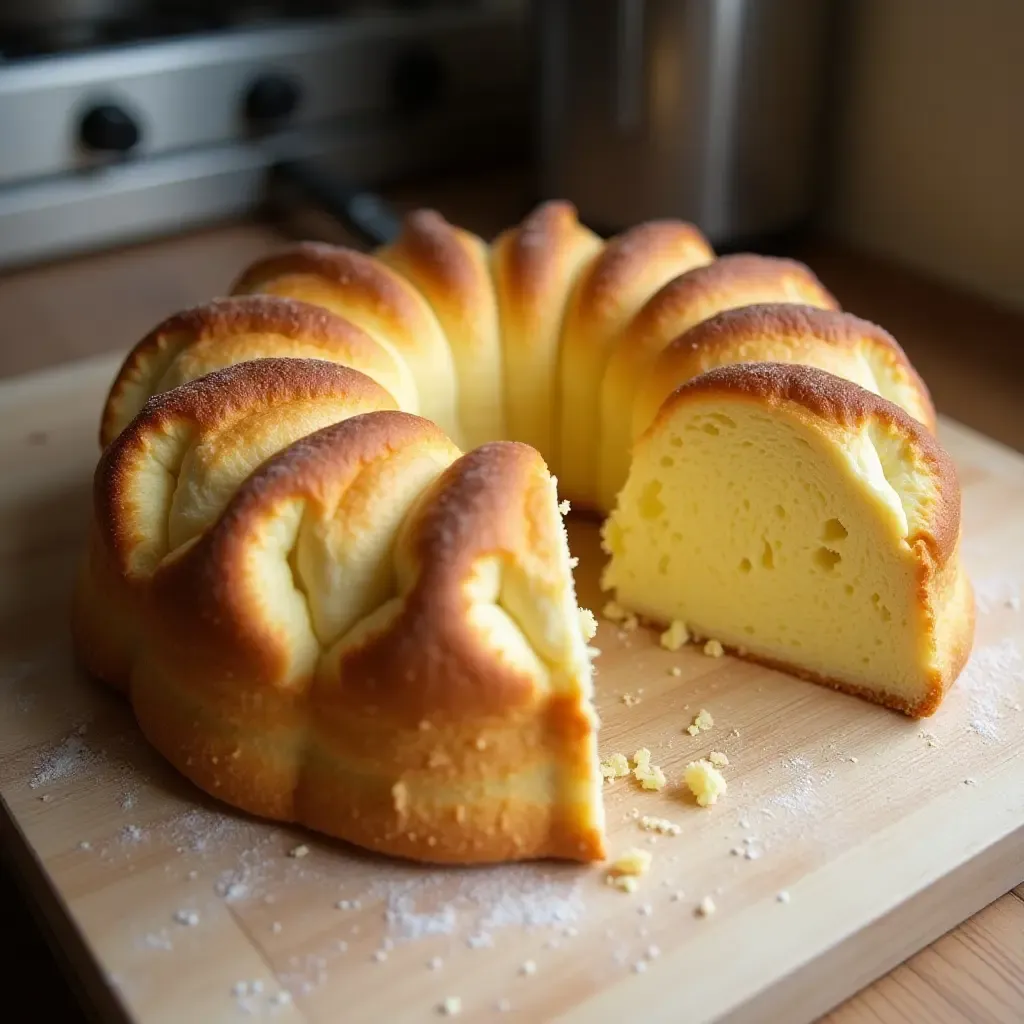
(299, 851)
(564, 506)
(633, 861)
(624, 883)
(676, 636)
(692, 730)
(660, 825)
(650, 776)
(704, 781)
(714, 649)
(676, 671)
(588, 623)
(706, 907)
(615, 767)
(718, 759)
(703, 721)
(574, 561)
(614, 612)
(593, 652)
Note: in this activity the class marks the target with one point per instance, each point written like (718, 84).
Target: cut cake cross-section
(804, 521)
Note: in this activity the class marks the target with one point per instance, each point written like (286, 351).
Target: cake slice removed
(805, 522)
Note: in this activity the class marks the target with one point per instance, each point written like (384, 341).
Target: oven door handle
(363, 213)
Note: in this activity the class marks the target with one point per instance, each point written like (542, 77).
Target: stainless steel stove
(135, 119)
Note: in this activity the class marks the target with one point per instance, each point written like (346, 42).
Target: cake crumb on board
(660, 825)
(625, 869)
(615, 766)
(702, 721)
(675, 637)
(650, 776)
(705, 782)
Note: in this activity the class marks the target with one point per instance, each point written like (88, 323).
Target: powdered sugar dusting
(69, 757)
(994, 684)
(440, 903)
(803, 795)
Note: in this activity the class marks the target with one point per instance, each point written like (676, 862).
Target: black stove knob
(109, 128)
(272, 97)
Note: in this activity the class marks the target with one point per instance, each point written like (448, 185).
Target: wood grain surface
(970, 353)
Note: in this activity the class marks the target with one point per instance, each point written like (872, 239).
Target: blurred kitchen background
(149, 148)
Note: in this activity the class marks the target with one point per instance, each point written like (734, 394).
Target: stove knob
(272, 97)
(109, 129)
(417, 80)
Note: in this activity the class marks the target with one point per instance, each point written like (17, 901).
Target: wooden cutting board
(849, 837)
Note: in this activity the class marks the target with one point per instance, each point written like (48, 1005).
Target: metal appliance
(154, 117)
(708, 110)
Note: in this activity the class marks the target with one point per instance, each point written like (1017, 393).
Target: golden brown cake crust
(734, 274)
(225, 318)
(627, 254)
(528, 255)
(838, 401)
(439, 251)
(203, 403)
(466, 514)
(355, 272)
(388, 743)
(782, 321)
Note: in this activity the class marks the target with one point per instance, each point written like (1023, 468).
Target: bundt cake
(324, 612)
(803, 521)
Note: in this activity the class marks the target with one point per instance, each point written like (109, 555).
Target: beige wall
(930, 165)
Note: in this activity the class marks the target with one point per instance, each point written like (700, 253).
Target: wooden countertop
(971, 355)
